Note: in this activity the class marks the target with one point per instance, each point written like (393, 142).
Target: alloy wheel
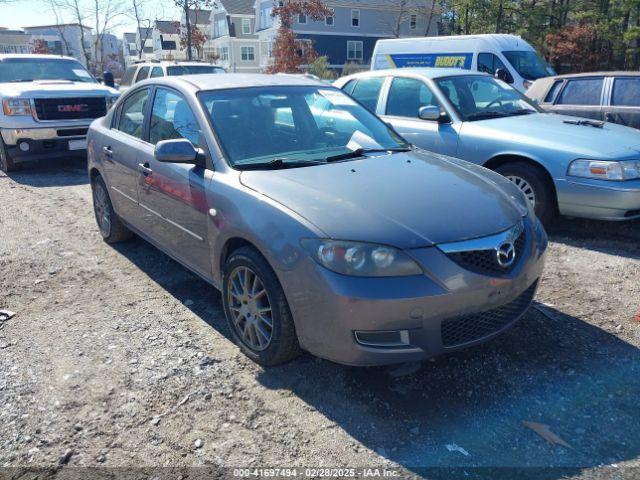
(250, 308)
(102, 210)
(525, 187)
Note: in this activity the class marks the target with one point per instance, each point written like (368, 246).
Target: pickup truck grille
(70, 108)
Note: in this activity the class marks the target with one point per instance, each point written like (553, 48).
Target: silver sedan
(324, 230)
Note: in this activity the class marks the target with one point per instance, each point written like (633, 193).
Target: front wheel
(6, 163)
(257, 310)
(534, 184)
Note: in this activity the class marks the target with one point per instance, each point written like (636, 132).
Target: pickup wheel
(257, 310)
(111, 227)
(534, 184)
(6, 164)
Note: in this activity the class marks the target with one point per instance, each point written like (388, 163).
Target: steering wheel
(496, 101)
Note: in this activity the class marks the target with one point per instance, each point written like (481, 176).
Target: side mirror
(504, 75)
(107, 79)
(179, 150)
(433, 114)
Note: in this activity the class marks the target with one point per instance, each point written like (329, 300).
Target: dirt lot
(119, 357)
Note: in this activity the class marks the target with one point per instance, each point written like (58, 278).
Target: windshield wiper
(359, 152)
(22, 80)
(486, 115)
(277, 164)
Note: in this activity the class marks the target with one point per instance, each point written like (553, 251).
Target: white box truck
(514, 60)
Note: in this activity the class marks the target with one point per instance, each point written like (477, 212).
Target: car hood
(553, 131)
(63, 88)
(406, 200)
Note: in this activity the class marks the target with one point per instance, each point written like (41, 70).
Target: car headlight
(361, 259)
(605, 170)
(16, 106)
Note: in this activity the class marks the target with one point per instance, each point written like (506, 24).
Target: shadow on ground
(551, 368)
(52, 173)
(614, 238)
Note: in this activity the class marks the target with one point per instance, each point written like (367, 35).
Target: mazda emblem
(506, 254)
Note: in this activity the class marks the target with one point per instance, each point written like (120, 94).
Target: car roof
(215, 81)
(431, 73)
(34, 56)
(596, 74)
(168, 63)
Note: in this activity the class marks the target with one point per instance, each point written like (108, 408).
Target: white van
(518, 61)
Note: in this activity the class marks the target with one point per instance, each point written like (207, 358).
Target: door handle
(107, 152)
(144, 169)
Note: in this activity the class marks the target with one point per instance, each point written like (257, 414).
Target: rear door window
(157, 72)
(132, 113)
(626, 92)
(582, 91)
(367, 91)
(142, 74)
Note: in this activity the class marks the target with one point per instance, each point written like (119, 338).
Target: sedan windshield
(30, 69)
(178, 70)
(528, 64)
(477, 97)
(286, 127)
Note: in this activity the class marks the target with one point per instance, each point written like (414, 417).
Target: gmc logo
(81, 107)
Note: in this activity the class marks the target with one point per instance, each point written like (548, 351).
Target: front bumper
(26, 144)
(330, 310)
(599, 199)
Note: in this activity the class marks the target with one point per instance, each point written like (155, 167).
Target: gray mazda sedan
(323, 228)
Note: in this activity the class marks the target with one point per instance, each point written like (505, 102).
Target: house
(234, 37)
(166, 41)
(201, 20)
(144, 43)
(70, 39)
(107, 56)
(15, 41)
(129, 48)
(349, 35)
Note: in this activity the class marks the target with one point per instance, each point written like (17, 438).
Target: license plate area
(78, 144)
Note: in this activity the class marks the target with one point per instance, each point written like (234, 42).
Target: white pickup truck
(48, 103)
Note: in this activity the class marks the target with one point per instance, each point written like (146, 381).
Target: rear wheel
(6, 163)
(257, 310)
(534, 184)
(111, 227)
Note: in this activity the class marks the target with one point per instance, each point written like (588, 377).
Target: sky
(26, 13)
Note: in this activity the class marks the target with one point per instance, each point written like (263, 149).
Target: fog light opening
(24, 146)
(383, 338)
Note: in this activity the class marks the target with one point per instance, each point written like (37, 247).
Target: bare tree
(142, 14)
(187, 6)
(399, 12)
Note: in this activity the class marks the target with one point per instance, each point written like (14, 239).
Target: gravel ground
(119, 357)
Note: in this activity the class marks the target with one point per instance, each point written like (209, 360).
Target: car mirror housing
(178, 150)
(433, 114)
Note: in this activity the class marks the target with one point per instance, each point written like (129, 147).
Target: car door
(404, 99)
(581, 97)
(120, 153)
(623, 104)
(172, 196)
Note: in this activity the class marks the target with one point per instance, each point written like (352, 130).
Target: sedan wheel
(524, 186)
(250, 308)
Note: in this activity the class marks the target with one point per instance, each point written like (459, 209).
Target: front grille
(485, 261)
(70, 108)
(475, 326)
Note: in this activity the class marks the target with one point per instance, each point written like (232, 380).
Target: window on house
(220, 27)
(414, 22)
(302, 18)
(303, 47)
(355, 50)
(224, 54)
(355, 18)
(330, 20)
(246, 26)
(247, 54)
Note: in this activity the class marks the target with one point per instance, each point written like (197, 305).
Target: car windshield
(529, 64)
(480, 97)
(286, 127)
(30, 69)
(178, 70)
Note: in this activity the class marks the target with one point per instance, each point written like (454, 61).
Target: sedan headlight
(361, 259)
(605, 170)
(16, 106)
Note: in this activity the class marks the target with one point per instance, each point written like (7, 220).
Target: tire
(533, 182)
(6, 163)
(246, 309)
(109, 223)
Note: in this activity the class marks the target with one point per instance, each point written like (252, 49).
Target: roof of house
(145, 33)
(129, 37)
(168, 26)
(61, 25)
(238, 7)
(199, 17)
